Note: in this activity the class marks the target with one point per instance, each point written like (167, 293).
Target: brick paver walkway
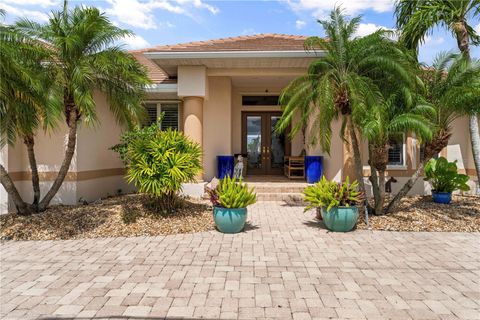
(283, 266)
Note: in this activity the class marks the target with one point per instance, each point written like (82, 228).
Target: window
(170, 114)
(260, 100)
(396, 153)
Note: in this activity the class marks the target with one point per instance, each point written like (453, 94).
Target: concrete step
(291, 198)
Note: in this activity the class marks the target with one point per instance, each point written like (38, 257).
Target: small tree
(453, 89)
(159, 162)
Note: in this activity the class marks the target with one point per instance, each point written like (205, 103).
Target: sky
(157, 22)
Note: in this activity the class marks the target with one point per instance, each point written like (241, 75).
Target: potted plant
(444, 179)
(337, 201)
(230, 198)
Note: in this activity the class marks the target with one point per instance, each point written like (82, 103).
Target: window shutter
(151, 114)
(170, 116)
(395, 153)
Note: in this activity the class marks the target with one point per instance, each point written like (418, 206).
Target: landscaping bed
(420, 213)
(121, 216)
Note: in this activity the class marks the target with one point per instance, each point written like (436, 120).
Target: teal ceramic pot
(230, 220)
(340, 219)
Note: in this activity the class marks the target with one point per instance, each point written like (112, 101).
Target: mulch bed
(121, 216)
(420, 213)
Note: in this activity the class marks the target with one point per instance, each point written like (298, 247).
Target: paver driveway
(284, 266)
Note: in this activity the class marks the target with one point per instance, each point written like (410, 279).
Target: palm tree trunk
(405, 189)
(463, 44)
(6, 181)
(30, 142)
(356, 155)
(475, 140)
(72, 118)
(381, 193)
(374, 180)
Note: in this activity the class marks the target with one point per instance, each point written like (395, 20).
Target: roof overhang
(162, 87)
(232, 54)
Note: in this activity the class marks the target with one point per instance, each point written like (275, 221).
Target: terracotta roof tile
(259, 42)
(155, 73)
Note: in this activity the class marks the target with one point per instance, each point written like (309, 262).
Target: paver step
(275, 189)
(292, 197)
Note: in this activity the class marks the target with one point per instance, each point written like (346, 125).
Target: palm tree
(85, 57)
(26, 102)
(418, 18)
(385, 122)
(453, 89)
(349, 75)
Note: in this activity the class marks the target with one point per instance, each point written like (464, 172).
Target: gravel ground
(122, 216)
(420, 213)
(133, 215)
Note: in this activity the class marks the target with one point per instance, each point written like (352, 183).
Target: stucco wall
(217, 127)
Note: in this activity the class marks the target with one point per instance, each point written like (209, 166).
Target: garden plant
(159, 162)
(444, 178)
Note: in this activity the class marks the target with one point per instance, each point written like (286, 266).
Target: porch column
(193, 121)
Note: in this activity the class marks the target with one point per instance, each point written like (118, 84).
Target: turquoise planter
(230, 220)
(340, 219)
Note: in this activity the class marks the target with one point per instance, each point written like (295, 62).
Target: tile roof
(259, 42)
(155, 73)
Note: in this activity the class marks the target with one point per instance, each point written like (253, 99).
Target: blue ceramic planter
(442, 197)
(340, 219)
(230, 220)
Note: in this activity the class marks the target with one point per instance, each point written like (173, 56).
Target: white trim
(234, 54)
(162, 87)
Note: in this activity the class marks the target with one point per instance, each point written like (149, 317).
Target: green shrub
(443, 176)
(331, 194)
(159, 162)
(233, 193)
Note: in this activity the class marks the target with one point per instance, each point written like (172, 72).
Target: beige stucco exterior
(210, 109)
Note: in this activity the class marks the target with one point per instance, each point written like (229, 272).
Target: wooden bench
(294, 167)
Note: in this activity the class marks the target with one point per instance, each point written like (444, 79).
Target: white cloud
(20, 12)
(248, 32)
(140, 14)
(433, 40)
(42, 3)
(477, 28)
(364, 29)
(321, 8)
(135, 42)
(299, 24)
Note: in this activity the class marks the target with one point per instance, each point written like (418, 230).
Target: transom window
(396, 152)
(260, 100)
(170, 114)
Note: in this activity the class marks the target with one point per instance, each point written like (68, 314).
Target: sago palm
(27, 102)
(86, 58)
(417, 18)
(453, 89)
(401, 113)
(350, 74)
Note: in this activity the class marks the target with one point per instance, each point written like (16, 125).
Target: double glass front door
(265, 148)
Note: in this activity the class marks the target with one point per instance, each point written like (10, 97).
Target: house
(223, 94)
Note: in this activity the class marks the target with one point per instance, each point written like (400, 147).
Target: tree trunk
(6, 181)
(406, 187)
(461, 33)
(475, 140)
(356, 155)
(72, 119)
(381, 196)
(374, 180)
(30, 142)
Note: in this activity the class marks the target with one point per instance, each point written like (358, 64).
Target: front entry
(264, 147)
